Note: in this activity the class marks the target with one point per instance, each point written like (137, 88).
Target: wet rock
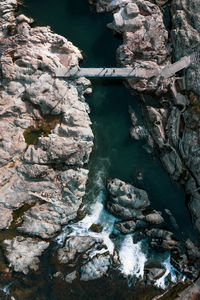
(162, 239)
(141, 224)
(172, 219)
(95, 268)
(153, 274)
(95, 228)
(22, 253)
(62, 201)
(126, 227)
(127, 195)
(144, 41)
(126, 201)
(44, 126)
(154, 218)
(192, 250)
(74, 246)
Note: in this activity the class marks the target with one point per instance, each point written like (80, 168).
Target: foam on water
(131, 255)
(97, 215)
(132, 258)
(163, 281)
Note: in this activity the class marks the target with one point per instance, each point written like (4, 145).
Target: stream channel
(115, 153)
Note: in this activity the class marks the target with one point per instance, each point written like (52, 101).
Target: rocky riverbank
(172, 112)
(46, 138)
(46, 141)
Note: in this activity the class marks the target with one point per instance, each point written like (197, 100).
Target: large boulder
(125, 200)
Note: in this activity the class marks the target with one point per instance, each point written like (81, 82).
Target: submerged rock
(22, 253)
(62, 201)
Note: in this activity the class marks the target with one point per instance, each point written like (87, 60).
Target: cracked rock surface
(45, 134)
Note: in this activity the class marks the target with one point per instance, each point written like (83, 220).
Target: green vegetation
(42, 127)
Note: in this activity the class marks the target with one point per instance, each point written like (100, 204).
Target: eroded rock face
(45, 131)
(22, 253)
(126, 195)
(186, 36)
(174, 121)
(95, 268)
(74, 246)
(45, 128)
(145, 41)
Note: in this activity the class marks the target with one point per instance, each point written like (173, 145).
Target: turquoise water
(123, 157)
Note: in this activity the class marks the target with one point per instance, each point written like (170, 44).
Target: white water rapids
(131, 255)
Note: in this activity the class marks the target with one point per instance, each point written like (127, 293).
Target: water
(115, 153)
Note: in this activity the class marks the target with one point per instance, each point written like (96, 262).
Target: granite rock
(22, 253)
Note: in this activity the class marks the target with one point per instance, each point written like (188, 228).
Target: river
(115, 153)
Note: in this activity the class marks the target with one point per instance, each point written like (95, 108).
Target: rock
(44, 126)
(127, 195)
(133, 116)
(192, 250)
(95, 268)
(153, 274)
(123, 212)
(185, 35)
(145, 41)
(95, 228)
(132, 10)
(126, 201)
(5, 217)
(71, 277)
(74, 246)
(22, 253)
(154, 218)
(161, 2)
(190, 293)
(125, 227)
(22, 18)
(62, 201)
(172, 219)
(155, 118)
(162, 239)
